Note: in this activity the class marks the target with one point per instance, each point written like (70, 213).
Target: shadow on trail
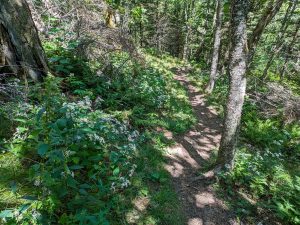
(192, 151)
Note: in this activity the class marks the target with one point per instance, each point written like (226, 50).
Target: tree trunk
(216, 48)
(237, 71)
(21, 49)
(205, 28)
(186, 32)
(289, 50)
(280, 38)
(266, 18)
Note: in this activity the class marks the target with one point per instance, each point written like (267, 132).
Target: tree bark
(216, 48)
(237, 89)
(21, 49)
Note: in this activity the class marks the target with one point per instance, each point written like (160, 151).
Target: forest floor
(192, 152)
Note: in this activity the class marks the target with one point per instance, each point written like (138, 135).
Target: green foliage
(82, 147)
(267, 167)
(84, 157)
(6, 121)
(266, 172)
(266, 176)
(62, 59)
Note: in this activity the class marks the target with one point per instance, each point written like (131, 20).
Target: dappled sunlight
(176, 169)
(111, 112)
(141, 203)
(205, 198)
(189, 154)
(180, 153)
(195, 221)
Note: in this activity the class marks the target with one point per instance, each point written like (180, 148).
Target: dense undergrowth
(83, 147)
(265, 180)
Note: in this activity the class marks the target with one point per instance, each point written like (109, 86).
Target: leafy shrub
(81, 156)
(83, 160)
(266, 177)
(63, 60)
(268, 167)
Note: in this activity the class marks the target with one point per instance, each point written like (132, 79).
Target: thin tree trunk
(279, 41)
(237, 71)
(187, 31)
(224, 65)
(266, 18)
(289, 49)
(216, 48)
(208, 53)
(141, 34)
(202, 42)
(158, 28)
(21, 48)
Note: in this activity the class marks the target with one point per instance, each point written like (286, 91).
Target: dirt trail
(188, 155)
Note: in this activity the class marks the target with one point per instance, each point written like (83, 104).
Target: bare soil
(192, 151)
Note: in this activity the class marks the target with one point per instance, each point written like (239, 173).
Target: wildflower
(37, 182)
(36, 215)
(113, 186)
(124, 182)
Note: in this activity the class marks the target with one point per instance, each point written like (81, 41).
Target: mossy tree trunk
(21, 50)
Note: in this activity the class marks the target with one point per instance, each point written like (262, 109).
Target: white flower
(37, 182)
(113, 186)
(36, 215)
(124, 182)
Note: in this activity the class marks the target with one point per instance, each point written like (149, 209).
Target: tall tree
(21, 48)
(216, 47)
(237, 89)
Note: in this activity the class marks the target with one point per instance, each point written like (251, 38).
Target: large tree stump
(20, 48)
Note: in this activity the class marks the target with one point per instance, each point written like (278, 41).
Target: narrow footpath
(190, 152)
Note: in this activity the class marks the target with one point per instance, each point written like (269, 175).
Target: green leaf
(85, 186)
(30, 198)
(42, 149)
(22, 129)
(8, 213)
(20, 120)
(23, 208)
(76, 167)
(64, 61)
(76, 160)
(83, 192)
(71, 182)
(116, 171)
(40, 113)
(13, 186)
(155, 175)
(144, 192)
(61, 123)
